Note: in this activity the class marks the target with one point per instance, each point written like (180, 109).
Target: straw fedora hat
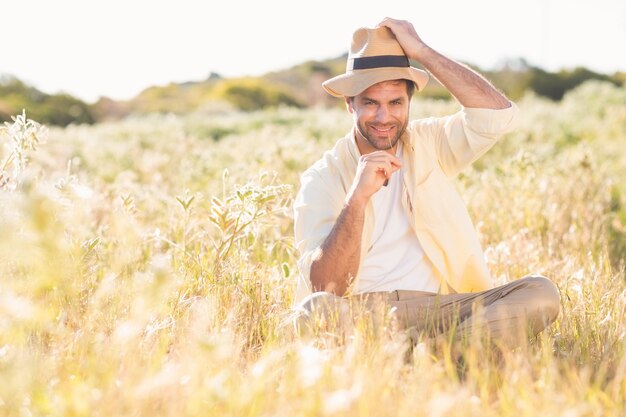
(375, 55)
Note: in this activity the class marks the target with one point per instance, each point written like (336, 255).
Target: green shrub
(58, 109)
(250, 94)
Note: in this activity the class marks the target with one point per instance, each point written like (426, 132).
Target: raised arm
(466, 85)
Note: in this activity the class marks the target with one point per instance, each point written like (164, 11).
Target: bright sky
(116, 48)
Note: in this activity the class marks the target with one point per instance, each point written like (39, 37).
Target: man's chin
(383, 142)
(381, 145)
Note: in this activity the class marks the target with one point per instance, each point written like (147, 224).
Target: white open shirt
(395, 260)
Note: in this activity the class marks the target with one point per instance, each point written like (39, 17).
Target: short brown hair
(410, 88)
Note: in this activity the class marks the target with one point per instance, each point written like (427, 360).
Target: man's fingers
(375, 169)
(384, 167)
(388, 167)
(382, 156)
(396, 165)
(382, 163)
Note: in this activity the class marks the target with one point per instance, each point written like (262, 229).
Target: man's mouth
(380, 130)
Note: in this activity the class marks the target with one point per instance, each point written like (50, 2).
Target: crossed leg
(507, 313)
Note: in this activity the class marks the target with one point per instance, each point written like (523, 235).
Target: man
(378, 217)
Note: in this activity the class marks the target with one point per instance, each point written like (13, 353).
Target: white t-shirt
(395, 260)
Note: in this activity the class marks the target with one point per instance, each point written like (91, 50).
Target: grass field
(147, 266)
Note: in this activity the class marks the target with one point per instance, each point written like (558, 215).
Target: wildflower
(24, 135)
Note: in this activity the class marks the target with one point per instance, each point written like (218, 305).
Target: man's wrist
(356, 202)
(422, 53)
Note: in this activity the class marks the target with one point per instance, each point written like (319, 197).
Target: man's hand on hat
(373, 170)
(406, 35)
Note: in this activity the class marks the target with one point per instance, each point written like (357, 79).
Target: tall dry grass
(147, 266)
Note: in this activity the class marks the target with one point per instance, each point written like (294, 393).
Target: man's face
(381, 115)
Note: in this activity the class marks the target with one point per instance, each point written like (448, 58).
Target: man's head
(374, 56)
(381, 114)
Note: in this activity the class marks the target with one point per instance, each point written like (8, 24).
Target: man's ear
(349, 103)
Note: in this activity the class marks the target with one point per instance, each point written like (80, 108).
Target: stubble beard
(382, 145)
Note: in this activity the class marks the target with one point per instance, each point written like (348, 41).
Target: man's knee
(323, 309)
(323, 302)
(545, 297)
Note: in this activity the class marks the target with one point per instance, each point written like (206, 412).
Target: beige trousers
(508, 313)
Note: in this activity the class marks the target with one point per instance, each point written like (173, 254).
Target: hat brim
(355, 82)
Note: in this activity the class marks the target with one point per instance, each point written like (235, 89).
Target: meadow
(147, 268)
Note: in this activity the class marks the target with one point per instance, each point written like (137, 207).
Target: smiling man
(378, 216)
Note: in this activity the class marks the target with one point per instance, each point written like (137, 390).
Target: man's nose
(382, 113)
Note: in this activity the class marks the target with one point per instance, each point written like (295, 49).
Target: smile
(382, 130)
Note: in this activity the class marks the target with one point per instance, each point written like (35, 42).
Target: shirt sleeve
(460, 139)
(316, 207)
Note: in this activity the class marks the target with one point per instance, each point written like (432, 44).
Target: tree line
(298, 86)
